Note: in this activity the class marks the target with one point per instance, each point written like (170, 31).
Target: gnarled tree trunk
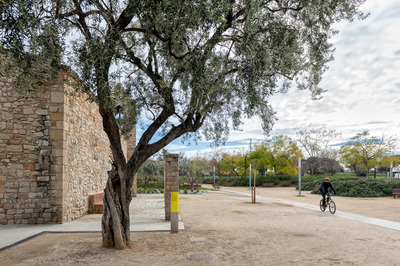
(115, 222)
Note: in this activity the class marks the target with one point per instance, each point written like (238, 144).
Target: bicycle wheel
(332, 207)
(321, 205)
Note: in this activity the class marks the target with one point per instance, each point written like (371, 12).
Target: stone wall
(25, 158)
(53, 154)
(87, 155)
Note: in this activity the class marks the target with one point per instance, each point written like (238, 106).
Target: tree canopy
(188, 65)
(367, 152)
(279, 154)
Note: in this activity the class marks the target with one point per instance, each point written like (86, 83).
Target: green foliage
(244, 181)
(357, 187)
(187, 67)
(185, 191)
(30, 47)
(278, 154)
(149, 190)
(151, 174)
(366, 151)
(233, 164)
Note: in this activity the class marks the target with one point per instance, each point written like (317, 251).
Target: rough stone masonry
(53, 154)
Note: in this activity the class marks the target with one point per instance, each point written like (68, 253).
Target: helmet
(327, 179)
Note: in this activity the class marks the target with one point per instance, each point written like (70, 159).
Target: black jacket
(323, 188)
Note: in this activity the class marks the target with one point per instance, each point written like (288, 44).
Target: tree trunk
(134, 186)
(115, 222)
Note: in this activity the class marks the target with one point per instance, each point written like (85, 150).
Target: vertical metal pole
(214, 175)
(255, 176)
(299, 172)
(250, 178)
(391, 170)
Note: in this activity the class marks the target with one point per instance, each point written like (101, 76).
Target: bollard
(174, 212)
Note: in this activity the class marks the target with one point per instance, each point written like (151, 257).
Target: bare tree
(315, 142)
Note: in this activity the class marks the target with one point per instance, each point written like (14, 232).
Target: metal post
(254, 187)
(299, 171)
(214, 176)
(391, 170)
(250, 178)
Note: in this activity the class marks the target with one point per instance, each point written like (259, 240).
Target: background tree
(321, 166)
(279, 154)
(188, 64)
(201, 165)
(367, 151)
(186, 171)
(215, 163)
(315, 142)
(151, 170)
(230, 163)
(385, 163)
(243, 162)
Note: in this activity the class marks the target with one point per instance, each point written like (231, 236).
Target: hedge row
(284, 180)
(357, 187)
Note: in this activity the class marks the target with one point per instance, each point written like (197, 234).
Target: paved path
(146, 212)
(347, 215)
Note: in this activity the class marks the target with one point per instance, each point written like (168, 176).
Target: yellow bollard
(174, 212)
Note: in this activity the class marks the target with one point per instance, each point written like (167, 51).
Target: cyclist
(323, 189)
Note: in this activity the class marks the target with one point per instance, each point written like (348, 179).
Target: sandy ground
(227, 229)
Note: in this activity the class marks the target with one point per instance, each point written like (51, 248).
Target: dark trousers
(324, 198)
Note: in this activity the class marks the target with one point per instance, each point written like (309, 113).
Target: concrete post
(171, 181)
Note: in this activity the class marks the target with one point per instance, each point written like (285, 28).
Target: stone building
(53, 154)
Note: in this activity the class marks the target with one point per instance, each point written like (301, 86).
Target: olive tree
(188, 65)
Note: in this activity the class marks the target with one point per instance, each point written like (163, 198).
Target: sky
(362, 83)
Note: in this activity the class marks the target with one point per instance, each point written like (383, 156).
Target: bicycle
(329, 202)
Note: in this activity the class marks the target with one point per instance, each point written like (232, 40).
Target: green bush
(244, 181)
(154, 183)
(150, 190)
(359, 187)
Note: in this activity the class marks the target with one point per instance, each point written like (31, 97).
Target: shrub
(361, 187)
(244, 181)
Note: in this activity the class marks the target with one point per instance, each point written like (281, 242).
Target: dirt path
(237, 232)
